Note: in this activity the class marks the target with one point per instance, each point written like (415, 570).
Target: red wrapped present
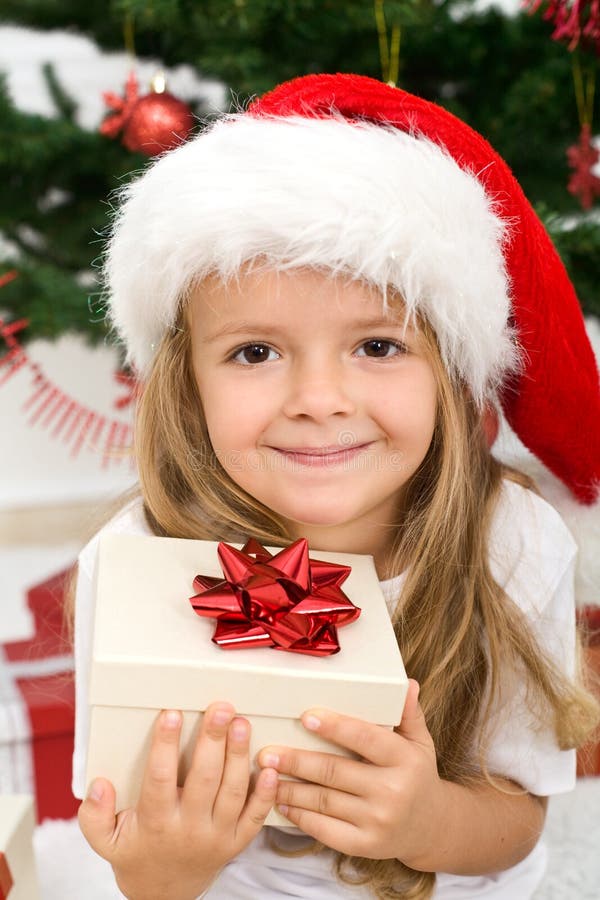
(37, 707)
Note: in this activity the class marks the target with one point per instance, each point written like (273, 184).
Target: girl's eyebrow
(243, 327)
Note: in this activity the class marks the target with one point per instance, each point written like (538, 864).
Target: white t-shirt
(532, 555)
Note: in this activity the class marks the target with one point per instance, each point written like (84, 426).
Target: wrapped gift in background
(37, 707)
(18, 880)
(152, 652)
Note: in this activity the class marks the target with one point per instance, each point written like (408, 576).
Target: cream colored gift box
(18, 880)
(151, 651)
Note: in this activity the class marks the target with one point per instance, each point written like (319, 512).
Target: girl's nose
(319, 391)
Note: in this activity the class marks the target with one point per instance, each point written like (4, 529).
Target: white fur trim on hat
(351, 197)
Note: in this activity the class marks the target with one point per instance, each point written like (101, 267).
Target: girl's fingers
(206, 770)
(158, 795)
(260, 802)
(413, 726)
(236, 774)
(326, 801)
(97, 817)
(337, 835)
(327, 769)
(373, 742)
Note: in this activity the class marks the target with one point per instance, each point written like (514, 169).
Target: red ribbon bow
(287, 601)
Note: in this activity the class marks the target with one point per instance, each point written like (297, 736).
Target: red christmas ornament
(582, 159)
(150, 124)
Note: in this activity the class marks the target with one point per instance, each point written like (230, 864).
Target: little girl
(325, 297)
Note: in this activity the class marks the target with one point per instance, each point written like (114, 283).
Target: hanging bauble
(150, 124)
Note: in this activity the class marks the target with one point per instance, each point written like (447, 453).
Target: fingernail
(239, 730)
(283, 809)
(311, 722)
(271, 760)
(270, 779)
(96, 791)
(172, 718)
(221, 716)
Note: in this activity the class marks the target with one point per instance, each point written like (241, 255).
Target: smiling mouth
(319, 451)
(321, 455)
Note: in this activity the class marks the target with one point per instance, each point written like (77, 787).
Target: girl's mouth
(321, 456)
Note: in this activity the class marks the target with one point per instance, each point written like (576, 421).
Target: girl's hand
(174, 843)
(384, 806)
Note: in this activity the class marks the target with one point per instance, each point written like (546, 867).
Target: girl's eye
(251, 354)
(379, 349)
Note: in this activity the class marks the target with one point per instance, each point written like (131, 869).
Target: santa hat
(350, 175)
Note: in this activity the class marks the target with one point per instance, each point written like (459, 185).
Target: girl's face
(317, 403)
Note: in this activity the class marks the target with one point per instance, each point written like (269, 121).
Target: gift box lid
(152, 651)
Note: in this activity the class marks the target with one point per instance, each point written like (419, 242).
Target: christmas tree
(502, 73)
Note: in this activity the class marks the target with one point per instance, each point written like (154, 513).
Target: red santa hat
(350, 175)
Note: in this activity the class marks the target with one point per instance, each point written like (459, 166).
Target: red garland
(576, 22)
(287, 601)
(132, 386)
(121, 106)
(75, 423)
(16, 356)
(582, 157)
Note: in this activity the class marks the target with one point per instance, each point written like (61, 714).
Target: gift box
(37, 707)
(151, 652)
(18, 879)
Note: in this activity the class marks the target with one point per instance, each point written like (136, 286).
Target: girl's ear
(490, 423)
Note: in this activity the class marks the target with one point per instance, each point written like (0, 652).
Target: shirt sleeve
(540, 579)
(84, 624)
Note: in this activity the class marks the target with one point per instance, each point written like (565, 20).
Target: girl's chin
(302, 522)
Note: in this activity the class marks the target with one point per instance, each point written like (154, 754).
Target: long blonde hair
(457, 629)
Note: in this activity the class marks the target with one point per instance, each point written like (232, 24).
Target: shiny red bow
(287, 601)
